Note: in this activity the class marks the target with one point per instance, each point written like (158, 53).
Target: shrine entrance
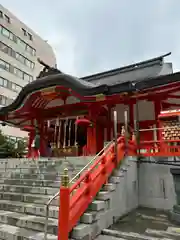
(66, 137)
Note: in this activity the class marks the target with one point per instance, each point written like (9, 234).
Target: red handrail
(74, 200)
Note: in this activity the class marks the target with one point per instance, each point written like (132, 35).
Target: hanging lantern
(84, 122)
(28, 128)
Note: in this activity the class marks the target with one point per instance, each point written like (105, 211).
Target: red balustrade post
(64, 208)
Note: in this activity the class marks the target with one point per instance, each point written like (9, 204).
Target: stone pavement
(143, 223)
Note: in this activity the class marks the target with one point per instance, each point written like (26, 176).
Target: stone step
(29, 208)
(162, 234)
(46, 175)
(28, 198)
(118, 173)
(41, 167)
(32, 170)
(109, 187)
(9, 232)
(28, 221)
(103, 195)
(17, 164)
(106, 237)
(174, 217)
(31, 182)
(80, 161)
(58, 172)
(97, 205)
(114, 179)
(29, 189)
(32, 176)
(176, 208)
(131, 235)
(175, 230)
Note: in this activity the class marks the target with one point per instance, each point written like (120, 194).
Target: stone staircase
(25, 188)
(142, 224)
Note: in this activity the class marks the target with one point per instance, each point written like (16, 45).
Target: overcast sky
(90, 36)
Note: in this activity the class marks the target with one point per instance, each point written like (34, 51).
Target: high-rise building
(20, 47)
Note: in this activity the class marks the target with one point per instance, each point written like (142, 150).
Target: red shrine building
(75, 116)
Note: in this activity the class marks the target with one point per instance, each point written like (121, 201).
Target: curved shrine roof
(55, 89)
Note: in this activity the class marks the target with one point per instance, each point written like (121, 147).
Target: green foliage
(12, 148)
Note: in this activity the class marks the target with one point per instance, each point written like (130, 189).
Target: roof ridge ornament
(47, 70)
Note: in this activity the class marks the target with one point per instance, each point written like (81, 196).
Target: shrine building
(75, 116)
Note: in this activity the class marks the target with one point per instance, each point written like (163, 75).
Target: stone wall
(125, 198)
(156, 187)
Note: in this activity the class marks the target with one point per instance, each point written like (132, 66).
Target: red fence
(163, 142)
(160, 148)
(75, 199)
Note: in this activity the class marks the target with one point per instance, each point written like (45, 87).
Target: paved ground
(103, 237)
(141, 219)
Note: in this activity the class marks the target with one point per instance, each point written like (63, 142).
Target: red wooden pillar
(31, 136)
(91, 140)
(92, 131)
(131, 114)
(99, 137)
(157, 110)
(109, 124)
(43, 138)
(64, 213)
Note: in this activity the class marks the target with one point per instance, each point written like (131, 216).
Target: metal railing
(71, 181)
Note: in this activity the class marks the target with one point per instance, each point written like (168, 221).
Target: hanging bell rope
(76, 127)
(70, 125)
(59, 134)
(65, 133)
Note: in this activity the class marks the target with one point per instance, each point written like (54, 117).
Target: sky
(90, 36)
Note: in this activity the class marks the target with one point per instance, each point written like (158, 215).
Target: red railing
(75, 199)
(160, 148)
(154, 142)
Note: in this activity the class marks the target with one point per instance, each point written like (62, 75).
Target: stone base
(174, 215)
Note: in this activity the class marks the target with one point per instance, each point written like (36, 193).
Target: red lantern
(28, 128)
(84, 122)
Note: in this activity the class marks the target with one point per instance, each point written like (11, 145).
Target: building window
(19, 57)
(1, 14)
(4, 65)
(4, 48)
(8, 67)
(27, 77)
(30, 36)
(7, 18)
(10, 85)
(24, 32)
(17, 40)
(5, 101)
(5, 83)
(5, 32)
(18, 72)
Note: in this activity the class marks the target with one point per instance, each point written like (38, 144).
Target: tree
(12, 148)
(21, 147)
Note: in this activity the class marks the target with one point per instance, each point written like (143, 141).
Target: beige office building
(19, 49)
